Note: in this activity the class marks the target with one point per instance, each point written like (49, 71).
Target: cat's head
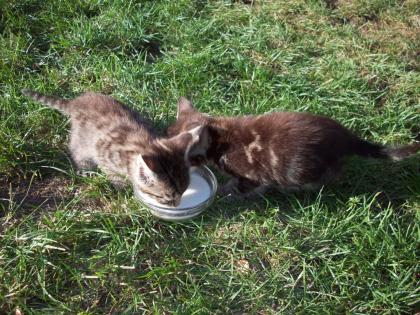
(163, 172)
(189, 118)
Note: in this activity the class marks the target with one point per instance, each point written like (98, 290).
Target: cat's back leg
(241, 188)
(309, 172)
(82, 151)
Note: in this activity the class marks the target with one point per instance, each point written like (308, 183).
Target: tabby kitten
(107, 134)
(293, 151)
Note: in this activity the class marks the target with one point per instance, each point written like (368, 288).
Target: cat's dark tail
(55, 102)
(367, 149)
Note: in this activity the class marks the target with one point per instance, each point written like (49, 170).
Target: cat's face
(163, 174)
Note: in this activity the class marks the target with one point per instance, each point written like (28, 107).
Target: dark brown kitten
(107, 134)
(293, 151)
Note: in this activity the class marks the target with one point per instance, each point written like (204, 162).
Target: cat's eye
(156, 196)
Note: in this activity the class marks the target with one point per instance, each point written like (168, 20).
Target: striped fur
(52, 101)
(109, 135)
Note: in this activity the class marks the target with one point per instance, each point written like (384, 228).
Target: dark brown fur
(107, 134)
(289, 150)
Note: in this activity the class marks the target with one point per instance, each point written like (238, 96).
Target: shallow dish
(187, 211)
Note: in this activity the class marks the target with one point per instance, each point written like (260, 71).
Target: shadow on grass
(43, 194)
(397, 182)
(392, 183)
(36, 183)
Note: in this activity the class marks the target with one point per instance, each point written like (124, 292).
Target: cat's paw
(118, 182)
(224, 191)
(238, 198)
(86, 173)
(230, 188)
(229, 193)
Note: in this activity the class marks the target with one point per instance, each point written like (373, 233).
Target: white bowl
(186, 212)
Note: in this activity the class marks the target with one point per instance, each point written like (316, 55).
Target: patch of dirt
(39, 196)
(386, 31)
(46, 193)
(391, 35)
(242, 266)
(249, 2)
(226, 232)
(351, 9)
(378, 84)
(42, 195)
(151, 48)
(331, 4)
(261, 60)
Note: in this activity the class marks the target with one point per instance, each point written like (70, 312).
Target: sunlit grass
(75, 245)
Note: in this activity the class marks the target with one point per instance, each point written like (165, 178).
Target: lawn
(74, 245)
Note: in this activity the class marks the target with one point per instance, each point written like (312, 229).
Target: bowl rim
(211, 180)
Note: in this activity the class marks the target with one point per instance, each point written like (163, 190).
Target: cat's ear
(148, 167)
(198, 145)
(184, 106)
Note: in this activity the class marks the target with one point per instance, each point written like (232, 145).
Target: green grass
(74, 245)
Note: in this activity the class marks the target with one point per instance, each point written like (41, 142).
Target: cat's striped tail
(52, 101)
